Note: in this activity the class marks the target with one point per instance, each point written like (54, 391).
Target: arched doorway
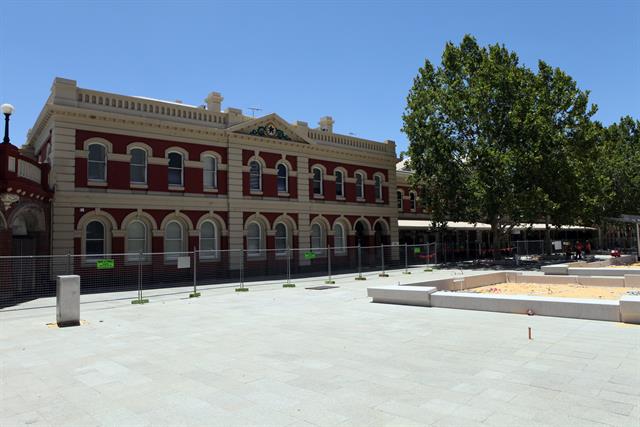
(362, 233)
(28, 228)
(380, 233)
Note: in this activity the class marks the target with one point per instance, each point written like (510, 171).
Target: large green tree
(466, 123)
(493, 141)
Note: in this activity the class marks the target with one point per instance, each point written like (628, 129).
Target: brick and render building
(107, 173)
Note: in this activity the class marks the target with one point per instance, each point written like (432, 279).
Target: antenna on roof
(253, 110)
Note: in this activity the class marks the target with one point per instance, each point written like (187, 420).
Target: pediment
(270, 126)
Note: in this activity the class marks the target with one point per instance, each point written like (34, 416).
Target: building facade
(124, 174)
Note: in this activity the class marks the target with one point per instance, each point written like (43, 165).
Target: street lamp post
(7, 110)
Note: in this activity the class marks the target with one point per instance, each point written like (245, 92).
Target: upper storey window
(412, 200)
(317, 181)
(138, 166)
(399, 196)
(97, 162)
(283, 178)
(176, 169)
(378, 186)
(210, 172)
(255, 176)
(359, 185)
(339, 184)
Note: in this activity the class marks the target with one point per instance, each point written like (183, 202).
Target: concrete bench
(630, 309)
(403, 295)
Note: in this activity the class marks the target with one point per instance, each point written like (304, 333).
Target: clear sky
(352, 60)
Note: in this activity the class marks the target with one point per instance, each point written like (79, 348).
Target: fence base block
(383, 275)
(194, 295)
(140, 301)
(242, 289)
(330, 282)
(289, 285)
(361, 278)
(406, 272)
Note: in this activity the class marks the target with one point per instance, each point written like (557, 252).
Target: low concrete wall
(601, 281)
(404, 295)
(629, 309)
(567, 268)
(632, 280)
(555, 269)
(603, 271)
(541, 306)
(546, 280)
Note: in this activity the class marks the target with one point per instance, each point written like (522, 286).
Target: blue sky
(352, 60)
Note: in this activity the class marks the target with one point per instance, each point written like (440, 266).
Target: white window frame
(340, 249)
(213, 171)
(135, 256)
(87, 240)
(169, 168)
(144, 165)
(260, 251)
(377, 185)
(412, 200)
(339, 183)
(321, 246)
(400, 199)
(359, 187)
(281, 251)
(320, 181)
(251, 173)
(286, 178)
(103, 162)
(174, 255)
(209, 254)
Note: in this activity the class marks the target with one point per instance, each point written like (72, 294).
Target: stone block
(601, 281)
(403, 295)
(630, 309)
(560, 269)
(632, 280)
(68, 300)
(547, 280)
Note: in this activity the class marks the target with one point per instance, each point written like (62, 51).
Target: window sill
(255, 193)
(283, 194)
(176, 188)
(379, 201)
(340, 198)
(97, 183)
(138, 186)
(318, 196)
(361, 199)
(210, 190)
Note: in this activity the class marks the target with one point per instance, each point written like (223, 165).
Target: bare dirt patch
(544, 290)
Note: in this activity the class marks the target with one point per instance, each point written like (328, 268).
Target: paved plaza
(281, 357)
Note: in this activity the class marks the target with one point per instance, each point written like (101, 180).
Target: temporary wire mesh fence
(135, 275)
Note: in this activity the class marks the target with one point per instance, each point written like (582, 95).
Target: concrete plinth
(630, 309)
(68, 300)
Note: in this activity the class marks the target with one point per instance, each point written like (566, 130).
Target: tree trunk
(547, 236)
(495, 232)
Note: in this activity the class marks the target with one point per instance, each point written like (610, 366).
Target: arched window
(318, 239)
(399, 195)
(359, 185)
(377, 180)
(95, 239)
(339, 240)
(173, 240)
(175, 169)
(282, 239)
(138, 166)
(412, 200)
(208, 240)
(97, 159)
(255, 176)
(283, 178)
(254, 239)
(210, 172)
(317, 182)
(339, 184)
(136, 240)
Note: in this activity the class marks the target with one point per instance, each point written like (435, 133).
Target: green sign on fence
(416, 250)
(105, 264)
(309, 255)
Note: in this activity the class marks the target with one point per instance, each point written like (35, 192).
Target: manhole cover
(322, 288)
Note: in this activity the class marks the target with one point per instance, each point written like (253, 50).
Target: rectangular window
(210, 172)
(359, 186)
(175, 169)
(317, 181)
(339, 184)
(138, 167)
